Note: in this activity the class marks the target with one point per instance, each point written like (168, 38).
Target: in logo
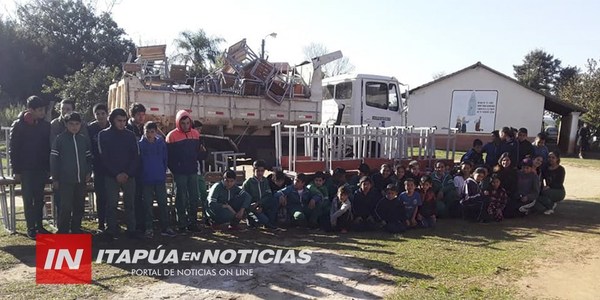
(63, 258)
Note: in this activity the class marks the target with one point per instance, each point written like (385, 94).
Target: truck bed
(212, 109)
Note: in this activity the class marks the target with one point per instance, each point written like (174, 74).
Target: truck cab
(363, 99)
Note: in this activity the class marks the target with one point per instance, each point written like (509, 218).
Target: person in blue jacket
(153, 156)
(301, 204)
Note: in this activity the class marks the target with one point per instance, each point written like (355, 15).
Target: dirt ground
(342, 277)
(575, 273)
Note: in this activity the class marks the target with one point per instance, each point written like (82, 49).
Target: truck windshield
(343, 90)
(377, 94)
(328, 92)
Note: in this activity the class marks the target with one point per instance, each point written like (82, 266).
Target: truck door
(381, 103)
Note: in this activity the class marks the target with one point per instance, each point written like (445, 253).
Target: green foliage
(55, 38)
(584, 91)
(198, 51)
(540, 71)
(10, 113)
(87, 87)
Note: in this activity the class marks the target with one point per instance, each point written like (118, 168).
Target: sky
(410, 40)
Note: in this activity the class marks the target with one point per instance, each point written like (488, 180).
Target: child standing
(341, 212)
(71, 167)
(497, 199)
(153, 154)
(427, 211)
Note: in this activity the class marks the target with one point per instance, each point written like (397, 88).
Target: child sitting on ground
(497, 199)
(340, 215)
(473, 201)
(411, 200)
(390, 211)
(426, 214)
(363, 204)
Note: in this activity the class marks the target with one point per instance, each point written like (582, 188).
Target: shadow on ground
(329, 273)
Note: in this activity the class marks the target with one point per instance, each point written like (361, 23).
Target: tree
(21, 72)
(198, 51)
(584, 91)
(540, 71)
(71, 34)
(87, 86)
(336, 67)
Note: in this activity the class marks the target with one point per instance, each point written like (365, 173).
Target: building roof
(551, 103)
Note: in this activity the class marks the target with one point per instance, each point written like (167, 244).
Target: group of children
(132, 156)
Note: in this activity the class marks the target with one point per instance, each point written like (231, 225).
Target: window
(377, 94)
(343, 90)
(328, 92)
(393, 97)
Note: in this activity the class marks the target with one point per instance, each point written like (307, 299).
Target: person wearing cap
(390, 211)
(71, 168)
(492, 150)
(524, 146)
(528, 186)
(473, 202)
(28, 151)
(363, 204)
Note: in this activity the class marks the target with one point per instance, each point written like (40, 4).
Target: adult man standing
(583, 136)
(30, 160)
(184, 151)
(119, 152)
(135, 124)
(101, 113)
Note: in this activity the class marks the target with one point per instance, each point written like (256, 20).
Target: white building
(479, 99)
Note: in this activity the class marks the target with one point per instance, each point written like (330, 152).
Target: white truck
(243, 123)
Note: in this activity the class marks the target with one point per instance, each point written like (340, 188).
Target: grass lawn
(455, 260)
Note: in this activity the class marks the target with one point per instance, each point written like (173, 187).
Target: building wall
(516, 105)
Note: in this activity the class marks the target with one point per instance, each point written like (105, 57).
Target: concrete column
(574, 122)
